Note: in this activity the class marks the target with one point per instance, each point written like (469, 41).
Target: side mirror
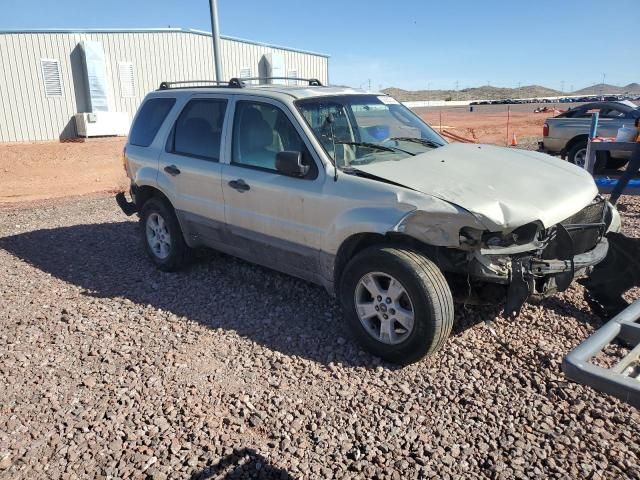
(290, 163)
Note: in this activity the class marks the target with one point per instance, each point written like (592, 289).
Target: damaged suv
(355, 192)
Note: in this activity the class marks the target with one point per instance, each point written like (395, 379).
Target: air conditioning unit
(272, 65)
(100, 124)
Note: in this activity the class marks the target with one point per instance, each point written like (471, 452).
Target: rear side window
(149, 119)
(198, 130)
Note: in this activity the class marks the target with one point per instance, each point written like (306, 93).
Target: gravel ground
(112, 369)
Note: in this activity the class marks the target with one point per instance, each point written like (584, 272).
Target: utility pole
(215, 36)
(562, 86)
(602, 84)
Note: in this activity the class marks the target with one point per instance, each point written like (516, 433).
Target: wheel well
(145, 192)
(574, 140)
(360, 241)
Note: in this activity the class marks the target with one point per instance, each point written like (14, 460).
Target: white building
(45, 78)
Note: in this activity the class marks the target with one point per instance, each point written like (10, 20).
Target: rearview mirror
(290, 163)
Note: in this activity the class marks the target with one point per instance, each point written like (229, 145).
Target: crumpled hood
(504, 187)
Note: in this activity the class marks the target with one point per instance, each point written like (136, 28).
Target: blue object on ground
(606, 185)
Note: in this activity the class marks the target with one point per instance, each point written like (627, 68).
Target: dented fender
(434, 221)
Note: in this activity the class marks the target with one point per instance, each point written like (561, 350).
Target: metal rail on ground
(623, 379)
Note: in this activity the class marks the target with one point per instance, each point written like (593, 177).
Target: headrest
(256, 132)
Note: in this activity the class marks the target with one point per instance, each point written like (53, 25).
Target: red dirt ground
(45, 170)
(487, 124)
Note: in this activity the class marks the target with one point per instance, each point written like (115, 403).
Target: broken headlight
(520, 236)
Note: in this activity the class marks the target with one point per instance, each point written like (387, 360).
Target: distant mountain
(497, 93)
(477, 93)
(605, 88)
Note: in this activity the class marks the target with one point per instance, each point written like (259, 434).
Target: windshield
(363, 129)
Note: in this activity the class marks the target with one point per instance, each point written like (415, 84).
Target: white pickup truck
(567, 134)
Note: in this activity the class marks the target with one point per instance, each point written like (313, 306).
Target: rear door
(191, 169)
(269, 215)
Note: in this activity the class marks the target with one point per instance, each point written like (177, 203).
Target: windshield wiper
(421, 141)
(375, 146)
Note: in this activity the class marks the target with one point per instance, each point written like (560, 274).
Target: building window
(127, 87)
(52, 77)
(291, 75)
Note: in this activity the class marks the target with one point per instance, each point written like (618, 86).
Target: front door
(269, 214)
(190, 166)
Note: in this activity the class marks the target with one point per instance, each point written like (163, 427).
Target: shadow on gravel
(280, 312)
(244, 463)
(607, 284)
(609, 281)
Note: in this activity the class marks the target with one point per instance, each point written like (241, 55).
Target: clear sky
(405, 43)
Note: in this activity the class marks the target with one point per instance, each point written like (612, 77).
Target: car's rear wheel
(577, 154)
(162, 236)
(397, 303)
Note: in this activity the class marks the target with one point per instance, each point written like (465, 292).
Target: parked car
(354, 192)
(567, 134)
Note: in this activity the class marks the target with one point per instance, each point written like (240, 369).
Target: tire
(170, 252)
(577, 155)
(429, 299)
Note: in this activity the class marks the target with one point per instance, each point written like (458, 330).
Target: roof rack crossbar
(313, 82)
(232, 83)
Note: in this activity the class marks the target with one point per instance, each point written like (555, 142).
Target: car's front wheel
(162, 235)
(397, 303)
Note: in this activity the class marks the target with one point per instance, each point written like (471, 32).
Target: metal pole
(215, 36)
(590, 160)
(508, 120)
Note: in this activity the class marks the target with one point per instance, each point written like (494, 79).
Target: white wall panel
(27, 114)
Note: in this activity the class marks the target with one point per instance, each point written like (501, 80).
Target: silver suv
(353, 191)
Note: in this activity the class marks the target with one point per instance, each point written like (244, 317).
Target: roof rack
(232, 83)
(313, 82)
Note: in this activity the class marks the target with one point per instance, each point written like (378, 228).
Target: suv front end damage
(536, 264)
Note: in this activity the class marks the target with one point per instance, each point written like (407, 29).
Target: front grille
(592, 213)
(587, 226)
(584, 229)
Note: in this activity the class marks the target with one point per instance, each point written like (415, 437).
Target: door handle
(239, 185)
(172, 170)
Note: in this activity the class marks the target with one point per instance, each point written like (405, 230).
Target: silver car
(567, 134)
(353, 191)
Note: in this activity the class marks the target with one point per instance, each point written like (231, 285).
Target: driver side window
(332, 135)
(260, 132)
